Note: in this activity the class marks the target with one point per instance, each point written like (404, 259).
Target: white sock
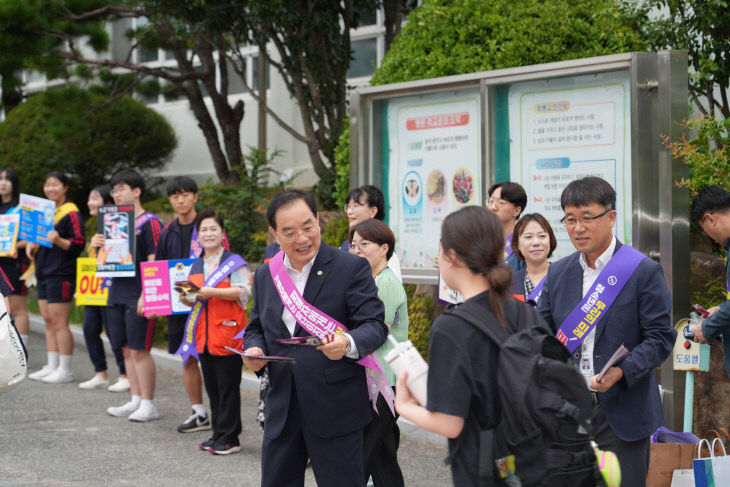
(65, 362)
(25, 339)
(147, 404)
(136, 400)
(199, 410)
(53, 360)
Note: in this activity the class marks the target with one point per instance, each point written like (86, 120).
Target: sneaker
(221, 449)
(122, 411)
(59, 376)
(206, 445)
(195, 423)
(40, 374)
(121, 385)
(96, 382)
(144, 414)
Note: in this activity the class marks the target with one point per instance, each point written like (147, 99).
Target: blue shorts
(56, 289)
(126, 329)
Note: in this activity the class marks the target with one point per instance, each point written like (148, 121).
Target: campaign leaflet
(9, 226)
(116, 258)
(91, 290)
(36, 219)
(158, 281)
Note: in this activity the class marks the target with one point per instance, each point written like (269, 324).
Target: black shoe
(207, 445)
(195, 423)
(220, 449)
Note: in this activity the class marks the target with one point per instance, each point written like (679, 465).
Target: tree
(311, 40)
(81, 133)
(445, 37)
(702, 28)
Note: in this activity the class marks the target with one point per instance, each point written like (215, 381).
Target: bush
(336, 231)
(420, 317)
(243, 206)
(81, 133)
(448, 37)
(342, 167)
(706, 154)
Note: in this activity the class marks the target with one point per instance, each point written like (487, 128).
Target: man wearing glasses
(317, 407)
(711, 210)
(602, 296)
(508, 200)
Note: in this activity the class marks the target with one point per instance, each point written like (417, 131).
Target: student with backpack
(500, 386)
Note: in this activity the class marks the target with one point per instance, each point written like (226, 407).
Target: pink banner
(156, 288)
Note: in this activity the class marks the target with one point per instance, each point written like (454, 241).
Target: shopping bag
(665, 458)
(683, 477)
(713, 471)
(13, 356)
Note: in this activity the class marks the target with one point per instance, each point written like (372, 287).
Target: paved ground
(58, 435)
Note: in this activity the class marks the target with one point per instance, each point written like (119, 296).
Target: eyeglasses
(353, 206)
(293, 235)
(570, 221)
(360, 246)
(499, 202)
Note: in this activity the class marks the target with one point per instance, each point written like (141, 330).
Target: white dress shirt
(299, 278)
(589, 277)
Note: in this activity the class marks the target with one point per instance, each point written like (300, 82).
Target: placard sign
(9, 226)
(91, 289)
(565, 129)
(158, 280)
(116, 258)
(36, 219)
(433, 168)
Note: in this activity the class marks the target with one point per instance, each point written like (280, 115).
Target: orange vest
(211, 332)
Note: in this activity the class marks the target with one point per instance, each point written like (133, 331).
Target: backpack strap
(474, 314)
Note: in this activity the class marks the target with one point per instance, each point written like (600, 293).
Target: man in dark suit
(639, 318)
(318, 407)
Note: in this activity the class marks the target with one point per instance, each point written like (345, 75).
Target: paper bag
(665, 458)
(713, 471)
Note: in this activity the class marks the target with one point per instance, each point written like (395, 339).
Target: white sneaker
(121, 385)
(145, 413)
(122, 411)
(96, 382)
(40, 374)
(59, 376)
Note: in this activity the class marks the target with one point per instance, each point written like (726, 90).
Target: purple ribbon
(195, 246)
(142, 219)
(535, 294)
(321, 325)
(188, 347)
(599, 298)
(508, 248)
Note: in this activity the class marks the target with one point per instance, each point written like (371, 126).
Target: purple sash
(319, 324)
(142, 219)
(535, 294)
(188, 347)
(195, 247)
(508, 248)
(599, 298)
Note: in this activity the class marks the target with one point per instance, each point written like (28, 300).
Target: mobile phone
(702, 311)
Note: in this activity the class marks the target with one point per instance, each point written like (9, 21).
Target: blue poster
(36, 219)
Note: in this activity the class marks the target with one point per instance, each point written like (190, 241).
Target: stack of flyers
(268, 358)
(188, 289)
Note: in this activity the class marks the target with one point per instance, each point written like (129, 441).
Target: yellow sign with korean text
(91, 290)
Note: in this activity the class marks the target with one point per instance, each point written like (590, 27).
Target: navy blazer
(332, 394)
(640, 319)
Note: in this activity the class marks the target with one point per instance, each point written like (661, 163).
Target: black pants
(634, 459)
(94, 318)
(380, 448)
(336, 462)
(222, 377)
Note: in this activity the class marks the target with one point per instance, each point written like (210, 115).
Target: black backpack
(548, 416)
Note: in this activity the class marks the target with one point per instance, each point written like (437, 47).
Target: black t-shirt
(186, 234)
(462, 381)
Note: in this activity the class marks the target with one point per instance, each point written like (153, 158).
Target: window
(364, 57)
(254, 60)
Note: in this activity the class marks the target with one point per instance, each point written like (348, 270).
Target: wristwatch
(348, 348)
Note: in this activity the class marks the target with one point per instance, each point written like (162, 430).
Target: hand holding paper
(609, 375)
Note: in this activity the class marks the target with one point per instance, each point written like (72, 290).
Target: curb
(249, 382)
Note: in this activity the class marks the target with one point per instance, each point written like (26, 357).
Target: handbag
(713, 471)
(13, 355)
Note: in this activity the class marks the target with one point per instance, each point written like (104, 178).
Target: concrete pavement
(58, 435)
